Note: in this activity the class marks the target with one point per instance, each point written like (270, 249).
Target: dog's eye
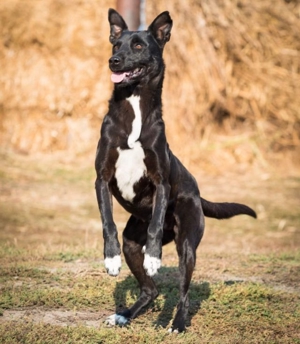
(138, 46)
(115, 48)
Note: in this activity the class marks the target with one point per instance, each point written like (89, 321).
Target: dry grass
(54, 61)
(54, 288)
(232, 81)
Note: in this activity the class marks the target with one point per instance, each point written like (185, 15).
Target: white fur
(151, 265)
(116, 319)
(130, 168)
(170, 330)
(137, 122)
(113, 265)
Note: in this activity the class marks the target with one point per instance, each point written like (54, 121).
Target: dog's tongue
(117, 77)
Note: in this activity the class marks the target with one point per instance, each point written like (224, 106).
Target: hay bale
(236, 68)
(232, 80)
(53, 56)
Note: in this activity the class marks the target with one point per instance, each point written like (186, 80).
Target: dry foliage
(232, 80)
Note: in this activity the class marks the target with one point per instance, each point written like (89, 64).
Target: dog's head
(137, 55)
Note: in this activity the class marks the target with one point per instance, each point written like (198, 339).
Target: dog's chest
(130, 166)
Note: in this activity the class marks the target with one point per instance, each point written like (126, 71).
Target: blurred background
(231, 102)
(231, 92)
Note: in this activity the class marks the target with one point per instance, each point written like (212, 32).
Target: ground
(54, 288)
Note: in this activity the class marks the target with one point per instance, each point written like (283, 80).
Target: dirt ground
(50, 235)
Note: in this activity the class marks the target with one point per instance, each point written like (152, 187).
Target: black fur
(166, 205)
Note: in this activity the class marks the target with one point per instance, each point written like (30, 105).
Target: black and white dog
(136, 166)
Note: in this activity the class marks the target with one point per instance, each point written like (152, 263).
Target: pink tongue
(117, 77)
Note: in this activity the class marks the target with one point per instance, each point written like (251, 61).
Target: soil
(52, 205)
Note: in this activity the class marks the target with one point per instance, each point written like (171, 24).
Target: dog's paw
(116, 319)
(170, 330)
(151, 265)
(113, 265)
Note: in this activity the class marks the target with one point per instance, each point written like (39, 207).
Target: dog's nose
(114, 61)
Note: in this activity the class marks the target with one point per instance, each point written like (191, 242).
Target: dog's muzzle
(126, 75)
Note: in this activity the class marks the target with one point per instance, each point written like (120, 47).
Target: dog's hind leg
(134, 238)
(190, 227)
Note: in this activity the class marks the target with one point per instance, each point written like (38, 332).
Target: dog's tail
(225, 210)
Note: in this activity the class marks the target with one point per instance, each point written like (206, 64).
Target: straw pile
(232, 88)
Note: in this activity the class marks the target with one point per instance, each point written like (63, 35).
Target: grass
(54, 289)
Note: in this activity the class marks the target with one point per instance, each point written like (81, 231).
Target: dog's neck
(137, 104)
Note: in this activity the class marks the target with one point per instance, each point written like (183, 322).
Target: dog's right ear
(117, 25)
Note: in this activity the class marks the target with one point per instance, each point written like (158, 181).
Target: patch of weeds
(74, 253)
(45, 333)
(23, 272)
(283, 268)
(262, 258)
(66, 256)
(125, 293)
(59, 292)
(244, 307)
(8, 251)
(248, 293)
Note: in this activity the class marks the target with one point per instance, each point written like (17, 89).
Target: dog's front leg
(112, 251)
(153, 249)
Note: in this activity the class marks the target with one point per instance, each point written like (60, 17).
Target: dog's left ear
(117, 25)
(161, 28)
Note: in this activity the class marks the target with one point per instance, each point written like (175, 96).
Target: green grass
(54, 288)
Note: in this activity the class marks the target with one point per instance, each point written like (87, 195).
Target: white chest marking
(130, 168)
(137, 122)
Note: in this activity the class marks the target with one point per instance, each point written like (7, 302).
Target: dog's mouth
(118, 77)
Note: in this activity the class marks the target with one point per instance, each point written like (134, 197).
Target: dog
(135, 165)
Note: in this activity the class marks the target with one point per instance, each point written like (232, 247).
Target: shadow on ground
(167, 283)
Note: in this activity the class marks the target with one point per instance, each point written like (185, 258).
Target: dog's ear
(117, 25)
(161, 28)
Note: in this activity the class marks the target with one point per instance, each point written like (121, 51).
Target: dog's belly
(130, 168)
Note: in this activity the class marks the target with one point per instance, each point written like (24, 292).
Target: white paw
(170, 330)
(113, 265)
(151, 265)
(116, 319)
